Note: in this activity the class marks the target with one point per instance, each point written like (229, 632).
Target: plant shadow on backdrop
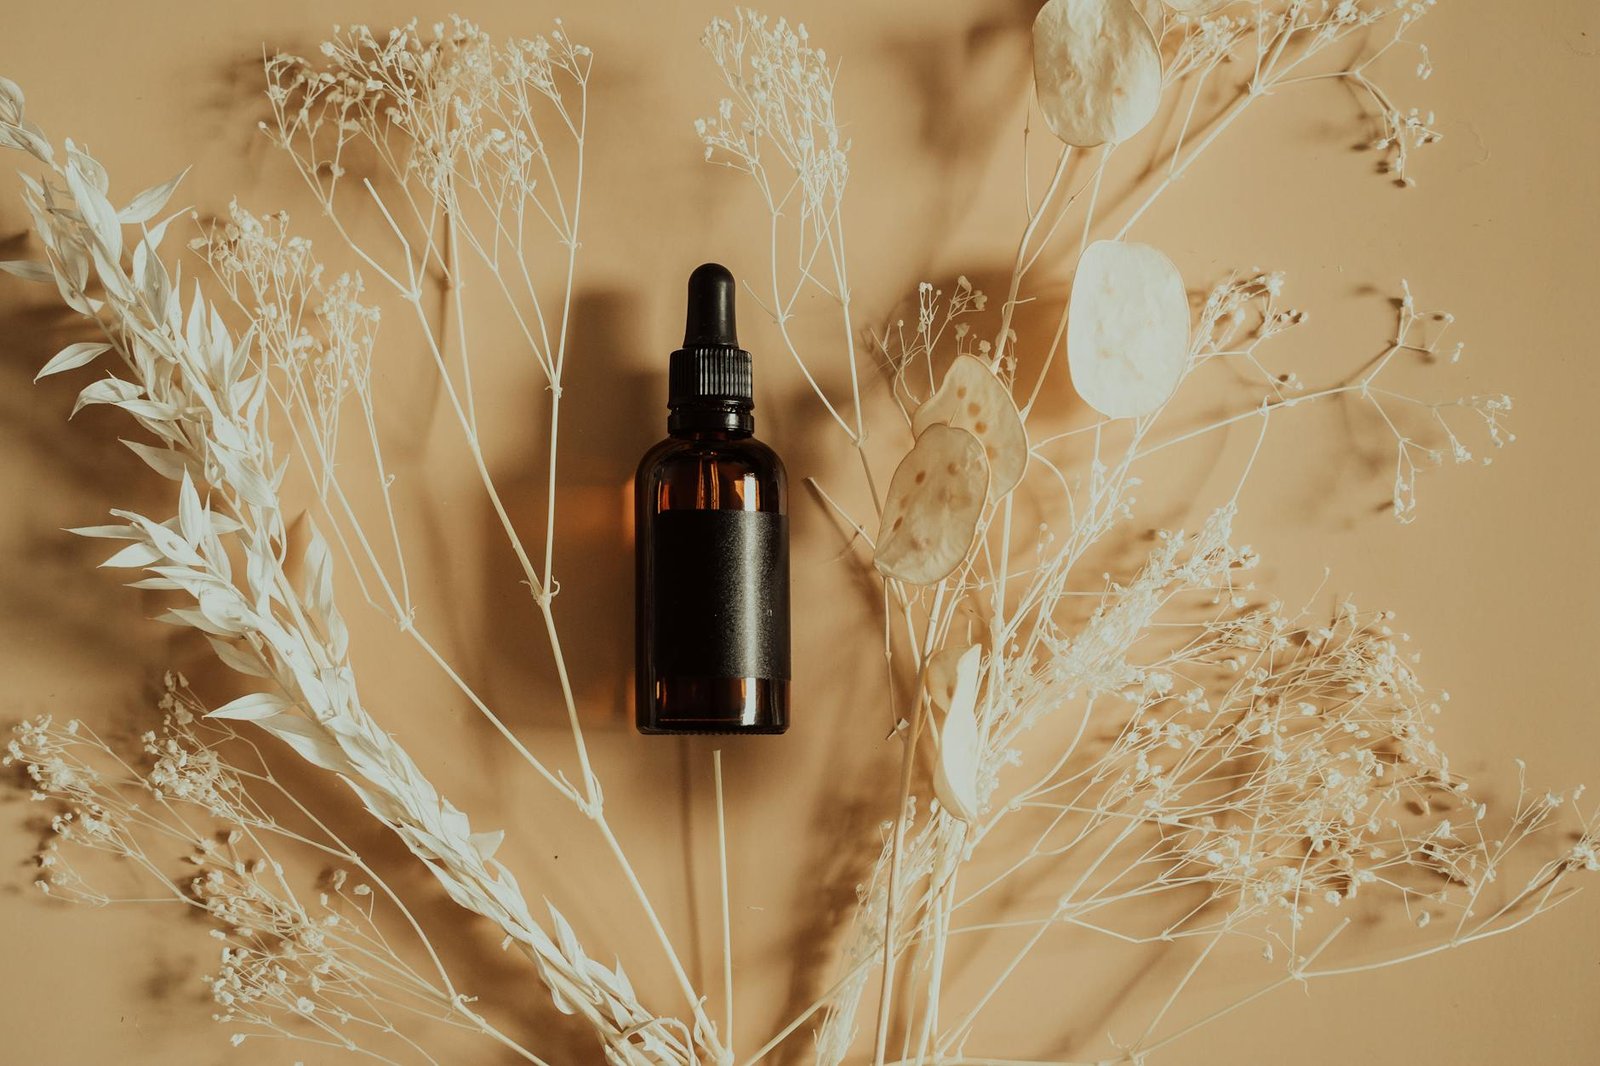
(1110, 741)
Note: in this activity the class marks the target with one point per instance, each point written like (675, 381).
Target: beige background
(1497, 578)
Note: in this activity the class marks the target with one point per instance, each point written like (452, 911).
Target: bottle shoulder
(699, 472)
(744, 454)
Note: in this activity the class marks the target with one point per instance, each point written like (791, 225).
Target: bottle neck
(726, 420)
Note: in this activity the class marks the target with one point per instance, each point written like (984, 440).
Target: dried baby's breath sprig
(192, 811)
(781, 102)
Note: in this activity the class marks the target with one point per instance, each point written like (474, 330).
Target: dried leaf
(1127, 328)
(1096, 70)
(161, 535)
(164, 461)
(148, 204)
(71, 357)
(317, 590)
(941, 675)
(107, 390)
(87, 185)
(191, 619)
(236, 658)
(955, 778)
(253, 707)
(486, 844)
(934, 501)
(28, 269)
(108, 532)
(11, 95)
(157, 584)
(565, 937)
(139, 554)
(191, 512)
(226, 611)
(308, 740)
(973, 399)
(463, 892)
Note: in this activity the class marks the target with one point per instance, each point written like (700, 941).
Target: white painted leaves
(955, 776)
(934, 501)
(71, 357)
(28, 269)
(253, 708)
(15, 129)
(148, 204)
(1127, 328)
(1096, 69)
(973, 399)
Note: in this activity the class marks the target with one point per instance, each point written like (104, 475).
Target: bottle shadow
(609, 416)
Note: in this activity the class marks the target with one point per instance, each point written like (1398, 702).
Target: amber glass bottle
(711, 542)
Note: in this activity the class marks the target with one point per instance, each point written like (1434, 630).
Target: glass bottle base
(713, 705)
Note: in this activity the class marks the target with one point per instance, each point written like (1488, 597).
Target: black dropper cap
(710, 370)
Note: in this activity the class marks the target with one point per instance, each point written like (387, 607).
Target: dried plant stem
(727, 923)
(910, 736)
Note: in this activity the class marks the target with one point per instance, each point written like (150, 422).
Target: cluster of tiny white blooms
(1329, 738)
(782, 96)
(291, 967)
(1093, 658)
(49, 756)
(1239, 316)
(907, 349)
(451, 110)
(1196, 44)
(1277, 45)
(1403, 132)
(1244, 312)
(185, 770)
(439, 91)
(304, 963)
(317, 336)
(778, 125)
(39, 746)
(1421, 334)
(1585, 853)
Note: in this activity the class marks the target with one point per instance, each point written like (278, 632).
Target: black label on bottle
(721, 593)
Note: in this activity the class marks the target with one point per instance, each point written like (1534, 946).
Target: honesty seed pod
(1127, 328)
(973, 399)
(1096, 70)
(931, 513)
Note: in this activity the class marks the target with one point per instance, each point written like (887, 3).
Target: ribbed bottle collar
(719, 374)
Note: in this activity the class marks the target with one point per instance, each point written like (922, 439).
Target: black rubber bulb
(710, 322)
